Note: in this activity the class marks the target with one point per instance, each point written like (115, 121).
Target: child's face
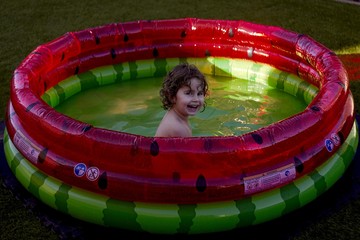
(189, 100)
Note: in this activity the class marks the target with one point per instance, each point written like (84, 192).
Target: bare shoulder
(171, 127)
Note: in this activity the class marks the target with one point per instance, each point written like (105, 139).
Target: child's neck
(180, 116)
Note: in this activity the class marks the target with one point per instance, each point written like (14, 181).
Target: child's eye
(200, 93)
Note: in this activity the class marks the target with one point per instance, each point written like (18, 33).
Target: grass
(27, 24)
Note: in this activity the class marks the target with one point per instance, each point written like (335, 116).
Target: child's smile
(189, 99)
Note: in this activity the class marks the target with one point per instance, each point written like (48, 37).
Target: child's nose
(196, 97)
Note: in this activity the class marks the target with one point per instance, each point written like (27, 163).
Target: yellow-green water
(234, 107)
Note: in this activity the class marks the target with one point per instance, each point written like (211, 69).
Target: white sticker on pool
(267, 180)
(24, 145)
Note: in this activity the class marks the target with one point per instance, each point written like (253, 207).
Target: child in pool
(183, 94)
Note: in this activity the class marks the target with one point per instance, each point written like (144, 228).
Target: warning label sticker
(92, 173)
(267, 180)
(26, 147)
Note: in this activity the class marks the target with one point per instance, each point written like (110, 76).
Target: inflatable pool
(179, 185)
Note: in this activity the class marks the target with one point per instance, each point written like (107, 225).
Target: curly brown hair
(180, 76)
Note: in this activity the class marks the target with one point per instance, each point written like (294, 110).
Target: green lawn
(27, 24)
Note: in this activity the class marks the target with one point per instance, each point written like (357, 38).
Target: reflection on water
(234, 107)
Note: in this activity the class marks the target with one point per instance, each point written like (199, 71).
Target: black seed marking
(42, 155)
(97, 40)
(207, 145)
(201, 183)
(257, 138)
(86, 128)
(154, 148)
(103, 182)
(341, 84)
(183, 34)
(12, 114)
(315, 108)
(176, 177)
(65, 125)
(113, 53)
(155, 52)
(299, 166)
(31, 106)
(341, 136)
